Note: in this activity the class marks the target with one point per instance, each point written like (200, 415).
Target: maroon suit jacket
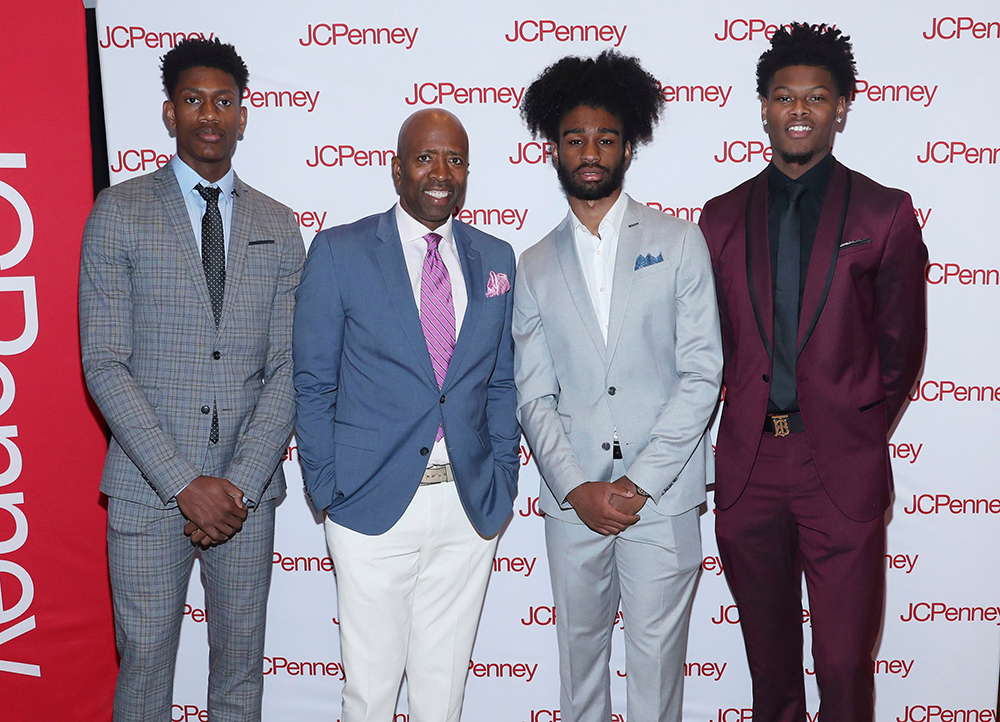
(861, 333)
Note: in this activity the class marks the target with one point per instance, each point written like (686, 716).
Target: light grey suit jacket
(153, 358)
(656, 380)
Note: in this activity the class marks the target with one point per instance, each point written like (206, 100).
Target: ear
(168, 110)
(243, 119)
(841, 106)
(628, 154)
(397, 171)
(554, 153)
(763, 109)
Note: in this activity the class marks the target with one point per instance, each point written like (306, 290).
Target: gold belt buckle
(780, 425)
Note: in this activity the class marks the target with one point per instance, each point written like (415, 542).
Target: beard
(593, 191)
(797, 158)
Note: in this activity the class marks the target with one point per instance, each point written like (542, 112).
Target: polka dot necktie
(213, 260)
(437, 312)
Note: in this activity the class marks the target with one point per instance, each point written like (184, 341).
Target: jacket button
(766, 378)
(606, 446)
(206, 409)
(216, 355)
(424, 451)
(442, 398)
(612, 390)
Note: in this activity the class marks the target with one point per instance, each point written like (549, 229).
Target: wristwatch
(640, 491)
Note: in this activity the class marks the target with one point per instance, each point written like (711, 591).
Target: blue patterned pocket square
(647, 260)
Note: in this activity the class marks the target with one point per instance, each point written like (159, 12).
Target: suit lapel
(759, 260)
(169, 194)
(629, 239)
(475, 288)
(239, 237)
(389, 256)
(826, 248)
(569, 264)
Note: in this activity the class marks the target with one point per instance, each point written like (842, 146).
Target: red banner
(57, 659)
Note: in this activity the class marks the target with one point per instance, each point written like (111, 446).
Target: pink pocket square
(497, 285)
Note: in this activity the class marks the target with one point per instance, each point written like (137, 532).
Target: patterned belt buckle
(780, 425)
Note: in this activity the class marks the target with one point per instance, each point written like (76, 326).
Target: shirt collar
(815, 179)
(188, 178)
(410, 229)
(612, 221)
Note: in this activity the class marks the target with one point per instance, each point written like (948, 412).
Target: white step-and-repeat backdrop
(330, 84)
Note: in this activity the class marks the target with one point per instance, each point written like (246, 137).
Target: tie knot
(210, 194)
(794, 190)
(433, 239)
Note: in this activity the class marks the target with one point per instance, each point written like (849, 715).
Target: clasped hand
(607, 507)
(214, 509)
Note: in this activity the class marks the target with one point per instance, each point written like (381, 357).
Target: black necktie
(786, 299)
(213, 260)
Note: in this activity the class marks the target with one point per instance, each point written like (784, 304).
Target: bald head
(431, 166)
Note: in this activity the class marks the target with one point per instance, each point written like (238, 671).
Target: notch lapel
(170, 196)
(389, 256)
(569, 264)
(759, 260)
(239, 237)
(826, 248)
(629, 242)
(475, 288)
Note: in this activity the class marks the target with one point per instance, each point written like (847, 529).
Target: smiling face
(591, 157)
(207, 116)
(431, 166)
(801, 112)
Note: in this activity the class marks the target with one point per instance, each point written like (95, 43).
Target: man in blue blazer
(404, 377)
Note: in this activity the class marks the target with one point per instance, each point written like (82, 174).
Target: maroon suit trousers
(784, 523)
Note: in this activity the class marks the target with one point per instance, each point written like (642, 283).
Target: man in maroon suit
(819, 274)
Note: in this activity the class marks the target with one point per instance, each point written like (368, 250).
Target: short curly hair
(820, 46)
(611, 81)
(196, 53)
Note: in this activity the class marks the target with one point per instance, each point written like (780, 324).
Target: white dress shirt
(411, 234)
(188, 179)
(597, 258)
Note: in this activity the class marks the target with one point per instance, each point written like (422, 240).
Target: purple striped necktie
(437, 312)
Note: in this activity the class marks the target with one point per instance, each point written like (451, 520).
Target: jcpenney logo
(301, 564)
(894, 93)
(438, 93)
(530, 507)
(695, 93)
(281, 98)
(274, 666)
(904, 451)
(941, 612)
(743, 151)
(554, 715)
(931, 504)
(494, 216)
(510, 670)
(523, 452)
(136, 159)
(688, 213)
(730, 614)
(517, 565)
(937, 713)
(538, 31)
(950, 391)
(740, 29)
(903, 562)
(306, 219)
(923, 215)
(943, 273)
(952, 28)
(196, 615)
(955, 151)
(712, 565)
(13, 608)
(120, 36)
(332, 34)
(531, 153)
(344, 155)
(187, 713)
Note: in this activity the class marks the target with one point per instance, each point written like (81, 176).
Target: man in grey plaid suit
(187, 287)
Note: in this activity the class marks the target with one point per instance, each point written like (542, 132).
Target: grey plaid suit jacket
(153, 358)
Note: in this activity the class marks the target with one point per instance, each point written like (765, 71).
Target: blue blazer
(367, 401)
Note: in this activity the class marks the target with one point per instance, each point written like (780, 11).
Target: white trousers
(409, 600)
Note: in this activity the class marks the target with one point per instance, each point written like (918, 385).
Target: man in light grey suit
(187, 285)
(618, 364)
